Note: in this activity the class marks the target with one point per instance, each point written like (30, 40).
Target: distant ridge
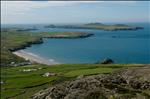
(96, 23)
(120, 25)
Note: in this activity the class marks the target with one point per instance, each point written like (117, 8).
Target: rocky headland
(39, 40)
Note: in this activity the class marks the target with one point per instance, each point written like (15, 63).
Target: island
(19, 29)
(98, 26)
(27, 29)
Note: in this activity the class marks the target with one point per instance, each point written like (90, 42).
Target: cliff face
(131, 83)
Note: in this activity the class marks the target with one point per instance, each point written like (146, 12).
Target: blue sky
(29, 12)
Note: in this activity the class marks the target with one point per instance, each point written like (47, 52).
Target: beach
(34, 58)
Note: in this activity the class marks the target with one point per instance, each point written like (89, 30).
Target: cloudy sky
(29, 12)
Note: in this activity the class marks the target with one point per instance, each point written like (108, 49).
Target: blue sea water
(121, 46)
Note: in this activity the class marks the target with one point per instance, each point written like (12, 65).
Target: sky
(53, 12)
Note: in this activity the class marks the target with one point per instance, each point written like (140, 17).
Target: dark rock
(105, 61)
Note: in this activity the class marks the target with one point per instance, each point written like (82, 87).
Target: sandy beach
(34, 58)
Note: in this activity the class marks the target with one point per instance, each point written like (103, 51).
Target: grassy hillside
(11, 39)
(128, 83)
(22, 85)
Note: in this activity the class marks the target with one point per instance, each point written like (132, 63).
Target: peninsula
(13, 40)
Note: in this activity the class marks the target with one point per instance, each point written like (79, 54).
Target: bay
(124, 46)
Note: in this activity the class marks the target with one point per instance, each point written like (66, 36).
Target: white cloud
(20, 7)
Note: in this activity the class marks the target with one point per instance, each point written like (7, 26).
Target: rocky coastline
(70, 37)
(27, 44)
(40, 40)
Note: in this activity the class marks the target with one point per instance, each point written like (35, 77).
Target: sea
(122, 46)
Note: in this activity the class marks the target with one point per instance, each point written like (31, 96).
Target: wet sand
(34, 58)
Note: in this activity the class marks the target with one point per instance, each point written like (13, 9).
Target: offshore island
(37, 80)
(99, 26)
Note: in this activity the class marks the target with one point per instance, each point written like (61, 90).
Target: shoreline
(34, 58)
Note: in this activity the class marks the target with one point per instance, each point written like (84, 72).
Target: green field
(22, 85)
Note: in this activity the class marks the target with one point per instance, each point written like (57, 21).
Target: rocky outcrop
(129, 83)
(105, 61)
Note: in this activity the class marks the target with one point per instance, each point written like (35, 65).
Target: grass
(89, 71)
(22, 85)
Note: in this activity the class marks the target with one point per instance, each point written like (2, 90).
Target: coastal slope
(131, 83)
(25, 82)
